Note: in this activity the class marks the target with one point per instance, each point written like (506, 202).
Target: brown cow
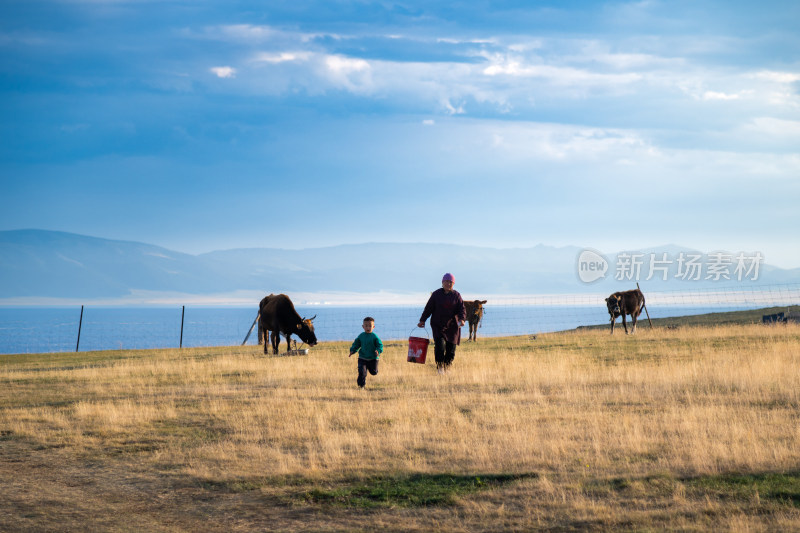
(625, 303)
(474, 317)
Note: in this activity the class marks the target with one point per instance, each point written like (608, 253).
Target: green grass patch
(418, 490)
(781, 488)
(232, 486)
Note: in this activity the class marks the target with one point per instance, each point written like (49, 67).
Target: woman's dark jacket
(445, 311)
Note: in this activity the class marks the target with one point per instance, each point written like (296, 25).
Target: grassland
(696, 428)
(727, 318)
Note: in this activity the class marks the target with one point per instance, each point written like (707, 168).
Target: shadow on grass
(782, 488)
(417, 490)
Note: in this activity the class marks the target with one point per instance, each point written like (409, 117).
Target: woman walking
(448, 314)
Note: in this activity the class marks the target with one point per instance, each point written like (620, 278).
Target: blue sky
(210, 125)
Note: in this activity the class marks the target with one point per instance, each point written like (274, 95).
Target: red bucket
(417, 349)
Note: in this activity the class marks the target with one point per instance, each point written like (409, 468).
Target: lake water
(55, 329)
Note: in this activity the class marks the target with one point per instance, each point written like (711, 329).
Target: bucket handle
(427, 335)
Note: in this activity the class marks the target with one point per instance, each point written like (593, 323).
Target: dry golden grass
(595, 432)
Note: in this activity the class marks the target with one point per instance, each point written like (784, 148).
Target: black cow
(278, 316)
(474, 317)
(625, 303)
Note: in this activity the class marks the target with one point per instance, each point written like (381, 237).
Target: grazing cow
(625, 303)
(474, 317)
(278, 316)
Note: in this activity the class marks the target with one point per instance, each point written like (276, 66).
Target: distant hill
(37, 263)
(399, 267)
(63, 265)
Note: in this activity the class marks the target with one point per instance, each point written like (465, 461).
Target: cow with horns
(278, 316)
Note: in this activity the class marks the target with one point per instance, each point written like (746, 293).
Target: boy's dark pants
(364, 366)
(444, 352)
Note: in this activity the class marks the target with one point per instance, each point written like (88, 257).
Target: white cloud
(777, 89)
(757, 89)
(465, 41)
(282, 57)
(346, 65)
(507, 65)
(713, 95)
(350, 73)
(505, 75)
(247, 32)
(526, 46)
(633, 61)
(540, 141)
(428, 122)
(224, 72)
(451, 109)
(779, 77)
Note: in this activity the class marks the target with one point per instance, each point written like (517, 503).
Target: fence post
(251, 329)
(80, 324)
(183, 312)
(645, 307)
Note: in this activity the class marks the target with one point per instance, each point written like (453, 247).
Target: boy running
(369, 347)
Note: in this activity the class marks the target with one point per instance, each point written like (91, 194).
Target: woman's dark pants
(364, 366)
(444, 352)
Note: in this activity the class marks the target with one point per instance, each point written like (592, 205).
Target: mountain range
(37, 264)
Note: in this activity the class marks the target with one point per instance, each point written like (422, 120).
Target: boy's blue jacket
(368, 343)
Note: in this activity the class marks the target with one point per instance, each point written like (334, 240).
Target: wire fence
(51, 329)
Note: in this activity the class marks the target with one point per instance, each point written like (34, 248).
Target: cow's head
(613, 304)
(305, 330)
